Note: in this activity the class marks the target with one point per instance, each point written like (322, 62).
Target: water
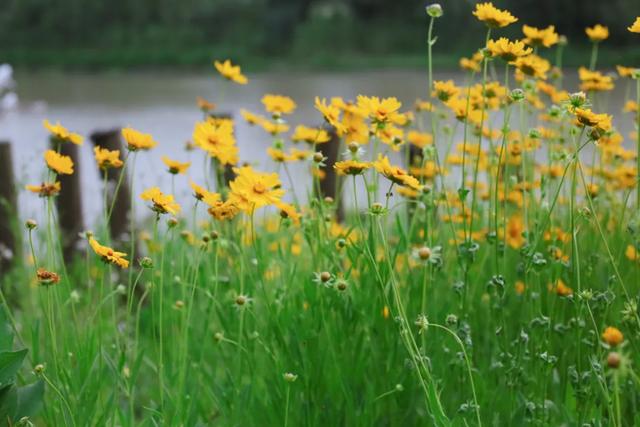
(163, 104)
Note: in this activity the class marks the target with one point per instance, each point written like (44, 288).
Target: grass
(495, 282)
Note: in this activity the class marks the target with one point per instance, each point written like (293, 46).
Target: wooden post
(330, 184)
(9, 252)
(69, 202)
(120, 216)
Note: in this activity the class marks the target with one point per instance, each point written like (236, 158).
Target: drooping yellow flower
(58, 163)
(533, 66)
(612, 336)
(597, 33)
(46, 189)
(380, 111)
(107, 158)
(351, 167)
(203, 195)
(251, 190)
(162, 203)
(274, 127)
(492, 16)
(231, 72)
(444, 90)
(137, 140)
(507, 50)
(395, 174)
(310, 135)
(472, 64)
(545, 37)
(61, 133)
(635, 27)
(174, 166)
(108, 254)
(217, 140)
(278, 104)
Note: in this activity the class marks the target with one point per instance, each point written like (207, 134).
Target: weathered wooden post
(120, 216)
(329, 185)
(8, 212)
(69, 202)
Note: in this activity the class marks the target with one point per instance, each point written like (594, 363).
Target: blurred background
(97, 65)
(307, 34)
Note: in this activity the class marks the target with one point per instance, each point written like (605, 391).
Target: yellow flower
(137, 140)
(162, 203)
(252, 119)
(109, 255)
(47, 278)
(231, 72)
(631, 253)
(612, 336)
(278, 104)
(203, 195)
(594, 80)
(492, 16)
(62, 134)
(217, 140)
(205, 105)
(507, 50)
(288, 211)
(625, 71)
(562, 289)
(58, 163)
(175, 167)
(597, 33)
(310, 135)
(251, 190)
(46, 189)
(223, 210)
(107, 158)
(635, 28)
(380, 111)
(515, 227)
(351, 167)
(274, 128)
(419, 139)
(473, 63)
(445, 90)
(587, 117)
(395, 174)
(330, 112)
(546, 37)
(533, 66)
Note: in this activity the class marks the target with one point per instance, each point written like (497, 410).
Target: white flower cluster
(8, 98)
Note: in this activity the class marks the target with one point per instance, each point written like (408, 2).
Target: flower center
(259, 188)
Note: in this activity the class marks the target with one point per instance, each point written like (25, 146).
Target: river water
(163, 104)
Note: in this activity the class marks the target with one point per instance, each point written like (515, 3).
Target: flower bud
(146, 262)
(325, 276)
(38, 369)
(31, 224)
(434, 10)
(172, 222)
(318, 157)
(353, 147)
(613, 360)
(424, 253)
(289, 377)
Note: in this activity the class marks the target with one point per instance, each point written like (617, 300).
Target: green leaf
(8, 404)
(30, 400)
(10, 362)
(6, 333)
